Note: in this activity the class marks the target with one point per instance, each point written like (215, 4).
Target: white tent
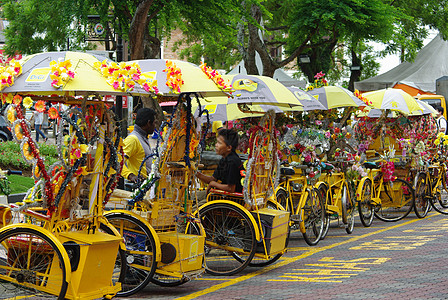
(430, 64)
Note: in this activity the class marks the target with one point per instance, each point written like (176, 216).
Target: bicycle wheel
(348, 209)
(31, 265)
(229, 234)
(365, 207)
(443, 199)
(313, 217)
(140, 252)
(322, 190)
(397, 201)
(422, 191)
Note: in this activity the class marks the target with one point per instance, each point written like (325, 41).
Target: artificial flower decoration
(17, 100)
(216, 77)
(37, 173)
(8, 72)
(362, 98)
(11, 114)
(148, 82)
(173, 76)
(7, 98)
(61, 73)
(120, 76)
(27, 152)
(320, 81)
(53, 113)
(27, 102)
(40, 106)
(18, 131)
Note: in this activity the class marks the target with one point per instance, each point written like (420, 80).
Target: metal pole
(119, 99)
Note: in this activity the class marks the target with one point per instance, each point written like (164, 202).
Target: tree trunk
(354, 74)
(154, 104)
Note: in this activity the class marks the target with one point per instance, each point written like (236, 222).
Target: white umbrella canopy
(308, 101)
(393, 99)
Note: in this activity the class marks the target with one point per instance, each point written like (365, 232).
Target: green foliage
(19, 184)
(11, 157)
(36, 26)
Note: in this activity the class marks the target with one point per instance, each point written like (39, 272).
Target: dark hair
(230, 137)
(440, 109)
(144, 115)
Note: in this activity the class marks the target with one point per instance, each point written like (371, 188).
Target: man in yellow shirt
(136, 145)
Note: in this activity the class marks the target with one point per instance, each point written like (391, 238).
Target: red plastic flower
(53, 113)
(40, 106)
(17, 99)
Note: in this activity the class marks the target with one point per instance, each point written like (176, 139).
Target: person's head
(440, 110)
(145, 119)
(226, 142)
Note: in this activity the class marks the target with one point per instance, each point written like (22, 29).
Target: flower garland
(31, 153)
(8, 73)
(216, 77)
(120, 76)
(173, 77)
(362, 98)
(61, 73)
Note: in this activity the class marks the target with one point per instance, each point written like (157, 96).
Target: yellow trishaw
(240, 228)
(164, 241)
(56, 240)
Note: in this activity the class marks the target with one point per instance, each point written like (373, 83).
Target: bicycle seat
(287, 171)
(370, 165)
(327, 166)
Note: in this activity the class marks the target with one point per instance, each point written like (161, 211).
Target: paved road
(404, 260)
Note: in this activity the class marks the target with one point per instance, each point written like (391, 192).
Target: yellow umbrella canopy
(335, 97)
(228, 112)
(393, 99)
(39, 78)
(172, 77)
(252, 89)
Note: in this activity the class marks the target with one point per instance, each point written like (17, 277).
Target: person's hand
(132, 178)
(210, 186)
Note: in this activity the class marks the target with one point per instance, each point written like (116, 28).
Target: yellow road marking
(289, 260)
(214, 279)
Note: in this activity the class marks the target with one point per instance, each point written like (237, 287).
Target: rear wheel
(31, 265)
(397, 200)
(140, 252)
(322, 190)
(313, 217)
(421, 204)
(348, 209)
(230, 242)
(365, 207)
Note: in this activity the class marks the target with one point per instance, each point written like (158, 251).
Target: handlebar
(10, 172)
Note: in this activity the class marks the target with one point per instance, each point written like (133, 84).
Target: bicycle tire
(390, 210)
(226, 225)
(348, 209)
(365, 207)
(322, 189)
(25, 267)
(313, 217)
(422, 191)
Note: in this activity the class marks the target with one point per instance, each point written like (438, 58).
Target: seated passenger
(227, 177)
